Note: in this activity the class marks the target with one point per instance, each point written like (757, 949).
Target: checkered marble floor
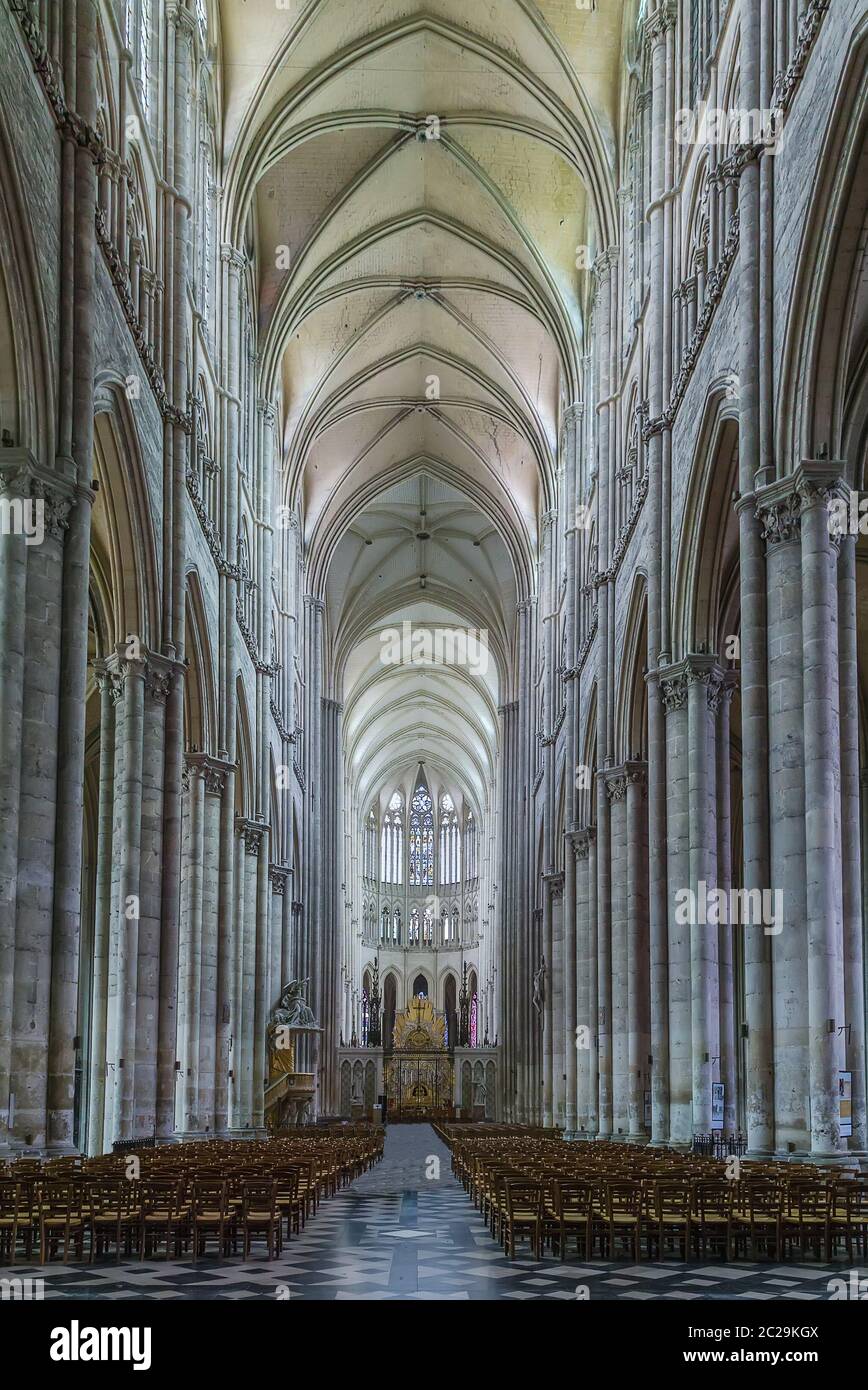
(405, 1231)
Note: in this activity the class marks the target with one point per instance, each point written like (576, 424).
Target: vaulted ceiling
(417, 181)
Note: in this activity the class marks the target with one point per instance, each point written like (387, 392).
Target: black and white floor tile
(407, 1230)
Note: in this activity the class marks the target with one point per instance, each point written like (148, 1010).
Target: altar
(419, 1073)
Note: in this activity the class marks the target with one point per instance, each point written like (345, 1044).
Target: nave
(397, 1233)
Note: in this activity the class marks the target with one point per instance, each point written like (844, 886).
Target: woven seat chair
(804, 1221)
(712, 1215)
(114, 1211)
(848, 1218)
(523, 1215)
(63, 1218)
(211, 1216)
(260, 1215)
(164, 1216)
(672, 1220)
(572, 1214)
(19, 1218)
(623, 1220)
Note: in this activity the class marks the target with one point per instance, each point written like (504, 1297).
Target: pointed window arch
(392, 842)
(421, 838)
(450, 841)
(471, 866)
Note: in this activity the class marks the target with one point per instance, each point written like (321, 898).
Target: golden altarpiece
(419, 1073)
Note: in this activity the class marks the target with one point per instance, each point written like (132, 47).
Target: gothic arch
(709, 534)
(123, 542)
(828, 322)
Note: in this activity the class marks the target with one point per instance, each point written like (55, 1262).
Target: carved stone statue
(293, 1010)
(539, 986)
(290, 1015)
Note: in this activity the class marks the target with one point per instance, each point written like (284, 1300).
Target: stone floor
(407, 1230)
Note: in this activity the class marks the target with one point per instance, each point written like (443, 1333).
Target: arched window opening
(450, 841)
(392, 842)
(420, 987)
(421, 838)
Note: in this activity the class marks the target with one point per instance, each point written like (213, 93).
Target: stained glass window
(396, 926)
(470, 864)
(450, 842)
(392, 842)
(366, 1017)
(413, 937)
(421, 838)
(474, 1016)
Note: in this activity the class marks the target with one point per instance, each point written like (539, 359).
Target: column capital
(211, 770)
(780, 504)
(38, 497)
(672, 685)
(555, 885)
(278, 876)
(659, 23)
(574, 413)
(615, 781)
(235, 259)
(252, 832)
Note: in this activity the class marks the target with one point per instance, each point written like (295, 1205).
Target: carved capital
(672, 683)
(659, 23)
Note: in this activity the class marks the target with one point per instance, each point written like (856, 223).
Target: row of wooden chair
(179, 1198)
(620, 1199)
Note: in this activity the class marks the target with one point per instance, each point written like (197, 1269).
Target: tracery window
(421, 839)
(474, 1021)
(396, 926)
(392, 842)
(139, 41)
(450, 842)
(413, 933)
(366, 1017)
(471, 869)
(369, 853)
(427, 929)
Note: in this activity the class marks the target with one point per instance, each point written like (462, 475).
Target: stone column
(616, 788)
(583, 1040)
(102, 917)
(638, 997)
(190, 958)
(593, 1121)
(725, 940)
(673, 690)
(703, 682)
(854, 965)
(130, 672)
(817, 483)
(778, 507)
(213, 776)
(571, 982)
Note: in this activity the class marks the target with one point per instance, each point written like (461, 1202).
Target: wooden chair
(573, 1213)
(672, 1216)
(164, 1215)
(115, 1215)
(756, 1217)
(624, 1215)
(848, 1218)
(805, 1218)
(712, 1215)
(260, 1213)
(523, 1215)
(62, 1218)
(210, 1216)
(18, 1218)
